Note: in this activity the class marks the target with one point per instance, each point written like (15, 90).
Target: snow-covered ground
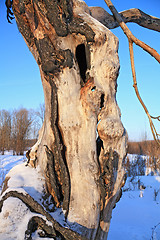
(15, 215)
(7, 162)
(134, 217)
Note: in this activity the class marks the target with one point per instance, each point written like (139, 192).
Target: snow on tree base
(15, 214)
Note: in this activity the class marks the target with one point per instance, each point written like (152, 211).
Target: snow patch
(135, 217)
(23, 177)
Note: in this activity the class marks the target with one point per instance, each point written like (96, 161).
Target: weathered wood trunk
(78, 61)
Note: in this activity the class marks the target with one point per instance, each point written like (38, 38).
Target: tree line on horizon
(147, 148)
(18, 126)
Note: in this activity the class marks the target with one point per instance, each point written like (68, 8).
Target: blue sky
(20, 83)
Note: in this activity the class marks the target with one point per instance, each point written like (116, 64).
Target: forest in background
(19, 132)
(19, 128)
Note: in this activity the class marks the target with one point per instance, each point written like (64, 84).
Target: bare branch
(132, 39)
(129, 34)
(132, 15)
(41, 224)
(144, 20)
(158, 118)
(153, 129)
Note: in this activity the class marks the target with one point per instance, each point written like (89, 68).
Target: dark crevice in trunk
(108, 164)
(93, 88)
(102, 101)
(100, 147)
(82, 62)
(59, 151)
(99, 143)
(51, 174)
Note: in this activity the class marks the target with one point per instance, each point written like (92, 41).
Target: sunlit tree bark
(79, 64)
(82, 143)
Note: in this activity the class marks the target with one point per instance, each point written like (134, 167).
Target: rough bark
(79, 65)
(133, 15)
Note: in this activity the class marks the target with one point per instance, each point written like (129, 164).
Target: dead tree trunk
(79, 64)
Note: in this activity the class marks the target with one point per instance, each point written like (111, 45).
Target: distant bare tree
(153, 160)
(35, 129)
(5, 130)
(38, 119)
(21, 124)
(152, 151)
(41, 112)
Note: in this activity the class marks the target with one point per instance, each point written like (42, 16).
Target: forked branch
(132, 39)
